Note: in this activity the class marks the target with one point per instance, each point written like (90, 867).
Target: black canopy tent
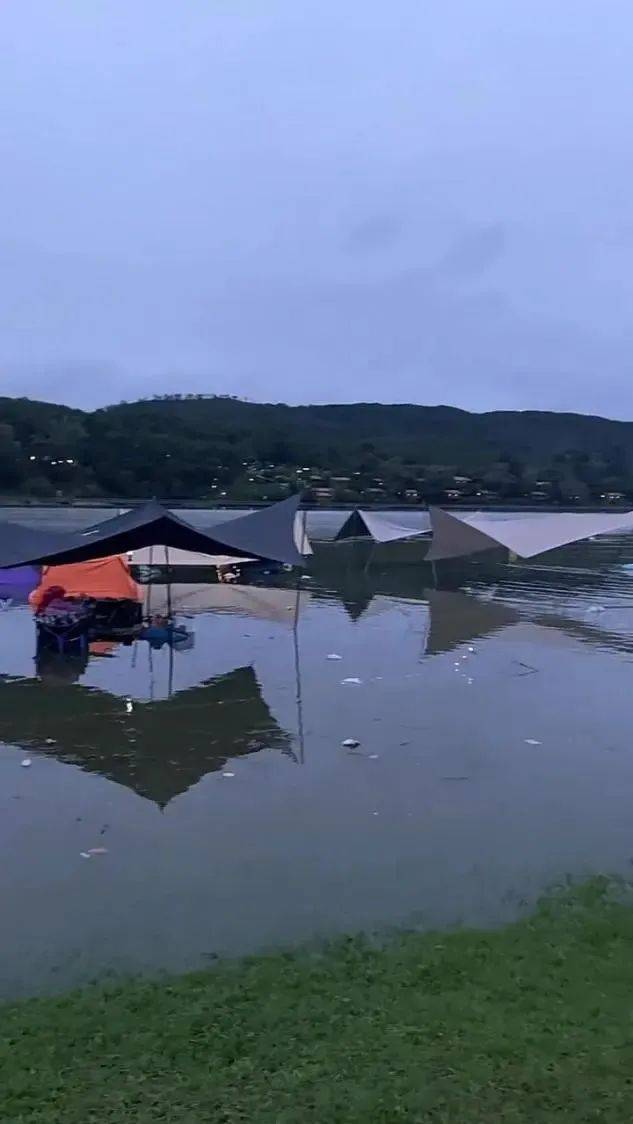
(267, 534)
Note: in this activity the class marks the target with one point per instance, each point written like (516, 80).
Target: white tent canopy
(267, 604)
(385, 526)
(172, 556)
(456, 535)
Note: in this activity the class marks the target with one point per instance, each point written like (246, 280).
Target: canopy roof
(161, 555)
(103, 579)
(211, 520)
(383, 526)
(268, 534)
(456, 535)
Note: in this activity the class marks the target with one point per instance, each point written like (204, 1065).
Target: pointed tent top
(382, 526)
(267, 534)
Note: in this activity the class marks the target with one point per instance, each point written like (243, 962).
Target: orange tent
(103, 579)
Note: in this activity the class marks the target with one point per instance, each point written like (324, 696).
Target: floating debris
(129, 706)
(50, 741)
(532, 741)
(26, 763)
(334, 656)
(471, 649)
(596, 609)
(356, 682)
(97, 851)
(228, 774)
(373, 756)
(350, 743)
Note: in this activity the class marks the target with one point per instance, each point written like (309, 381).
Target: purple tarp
(17, 583)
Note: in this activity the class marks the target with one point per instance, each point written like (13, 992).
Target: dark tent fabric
(354, 527)
(263, 531)
(266, 534)
(159, 750)
(20, 545)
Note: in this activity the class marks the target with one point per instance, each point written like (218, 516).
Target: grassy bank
(530, 1023)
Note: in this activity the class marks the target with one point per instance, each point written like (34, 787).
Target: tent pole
(167, 567)
(149, 584)
(170, 685)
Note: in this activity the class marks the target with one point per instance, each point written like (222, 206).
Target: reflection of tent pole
(298, 692)
(150, 658)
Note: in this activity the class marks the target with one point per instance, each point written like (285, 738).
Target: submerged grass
(530, 1023)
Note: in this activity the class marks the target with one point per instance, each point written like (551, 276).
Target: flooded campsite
(175, 798)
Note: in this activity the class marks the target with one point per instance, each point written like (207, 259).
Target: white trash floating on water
(26, 763)
(532, 741)
(334, 656)
(228, 774)
(356, 682)
(350, 743)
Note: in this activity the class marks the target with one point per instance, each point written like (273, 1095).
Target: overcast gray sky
(309, 200)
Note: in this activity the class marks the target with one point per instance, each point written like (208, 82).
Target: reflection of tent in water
(456, 618)
(159, 749)
(261, 603)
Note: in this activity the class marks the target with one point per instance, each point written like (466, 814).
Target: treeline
(215, 448)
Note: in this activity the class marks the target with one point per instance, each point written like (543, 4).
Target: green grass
(530, 1023)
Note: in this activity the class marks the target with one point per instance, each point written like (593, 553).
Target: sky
(423, 201)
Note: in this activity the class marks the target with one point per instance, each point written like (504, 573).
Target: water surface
(493, 716)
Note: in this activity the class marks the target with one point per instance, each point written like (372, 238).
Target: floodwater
(495, 759)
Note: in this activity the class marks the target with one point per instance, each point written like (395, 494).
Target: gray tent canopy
(456, 535)
(267, 534)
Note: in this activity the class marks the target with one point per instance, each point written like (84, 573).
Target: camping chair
(64, 623)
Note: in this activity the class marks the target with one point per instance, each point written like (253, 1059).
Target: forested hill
(215, 448)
